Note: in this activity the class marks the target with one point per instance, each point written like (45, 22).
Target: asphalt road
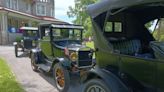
(30, 80)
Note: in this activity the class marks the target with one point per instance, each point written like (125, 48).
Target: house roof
(44, 18)
(105, 5)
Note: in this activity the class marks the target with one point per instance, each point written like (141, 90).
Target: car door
(160, 76)
(45, 45)
(141, 69)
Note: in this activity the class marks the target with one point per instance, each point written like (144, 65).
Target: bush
(18, 38)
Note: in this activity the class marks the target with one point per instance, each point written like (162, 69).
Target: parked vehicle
(28, 41)
(128, 57)
(61, 52)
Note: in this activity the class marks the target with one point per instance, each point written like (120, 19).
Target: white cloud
(61, 8)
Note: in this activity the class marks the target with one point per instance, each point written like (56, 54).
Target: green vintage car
(129, 58)
(60, 51)
(27, 42)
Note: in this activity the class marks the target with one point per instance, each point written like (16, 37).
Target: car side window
(118, 27)
(46, 35)
(113, 27)
(108, 27)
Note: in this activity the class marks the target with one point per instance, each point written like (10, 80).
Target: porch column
(0, 29)
(4, 29)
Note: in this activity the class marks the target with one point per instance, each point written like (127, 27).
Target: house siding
(23, 4)
(10, 22)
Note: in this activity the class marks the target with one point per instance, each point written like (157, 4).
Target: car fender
(64, 61)
(108, 77)
(35, 50)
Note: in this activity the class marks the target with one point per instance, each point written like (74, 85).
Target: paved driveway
(31, 81)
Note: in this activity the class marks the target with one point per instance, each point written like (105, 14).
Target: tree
(82, 18)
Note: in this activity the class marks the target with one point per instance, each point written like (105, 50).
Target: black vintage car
(28, 41)
(60, 52)
(129, 58)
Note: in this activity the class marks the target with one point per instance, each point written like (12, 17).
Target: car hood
(77, 47)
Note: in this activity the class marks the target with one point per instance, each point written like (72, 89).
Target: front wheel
(61, 77)
(96, 85)
(33, 62)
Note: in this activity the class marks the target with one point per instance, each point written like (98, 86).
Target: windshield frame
(66, 29)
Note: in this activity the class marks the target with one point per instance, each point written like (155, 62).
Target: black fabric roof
(104, 5)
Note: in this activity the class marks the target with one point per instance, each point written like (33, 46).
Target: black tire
(33, 62)
(96, 85)
(16, 51)
(65, 77)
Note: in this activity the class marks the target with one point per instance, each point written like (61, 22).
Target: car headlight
(74, 56)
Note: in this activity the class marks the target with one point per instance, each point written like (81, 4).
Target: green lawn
(8, 82)
(90, 44)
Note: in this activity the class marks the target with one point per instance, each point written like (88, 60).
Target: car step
(44, 67)
(48, 62)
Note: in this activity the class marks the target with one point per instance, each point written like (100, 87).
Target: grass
(90, 44)
(8, 82)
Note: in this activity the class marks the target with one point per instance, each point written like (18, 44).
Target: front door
(142, 70)
(160, 76)
(45, 45)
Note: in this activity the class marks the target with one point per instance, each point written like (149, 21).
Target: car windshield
(70, 34)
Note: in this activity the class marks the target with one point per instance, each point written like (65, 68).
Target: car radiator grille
(84, 59)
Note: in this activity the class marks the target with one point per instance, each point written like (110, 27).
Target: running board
(44, 67)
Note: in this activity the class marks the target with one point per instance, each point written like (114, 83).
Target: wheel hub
(95, 88)
(60, 78)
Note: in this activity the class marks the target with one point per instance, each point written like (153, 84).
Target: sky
(61, 8)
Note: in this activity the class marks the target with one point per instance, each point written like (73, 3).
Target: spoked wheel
(33, 62)
(16, 51)
(61, 77)
(96, 85)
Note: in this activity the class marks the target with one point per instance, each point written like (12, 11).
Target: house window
(43, 0)
(28, 8)
(14, 4)
(8, 3)
(52, 12)
(41, 9)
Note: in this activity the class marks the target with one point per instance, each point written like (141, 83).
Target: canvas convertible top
(62, 26)
(105, 5)
(29, 28)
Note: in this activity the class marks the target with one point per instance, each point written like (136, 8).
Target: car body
(128, 57)
(28, 41)
(60, 51)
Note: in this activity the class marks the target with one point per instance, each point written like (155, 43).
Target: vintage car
(128, 56)
(60, 52)
(28, 41)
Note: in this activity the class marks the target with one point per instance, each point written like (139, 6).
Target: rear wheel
(16, 51)
(96, 85)
(61, 77)
(33, 62)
